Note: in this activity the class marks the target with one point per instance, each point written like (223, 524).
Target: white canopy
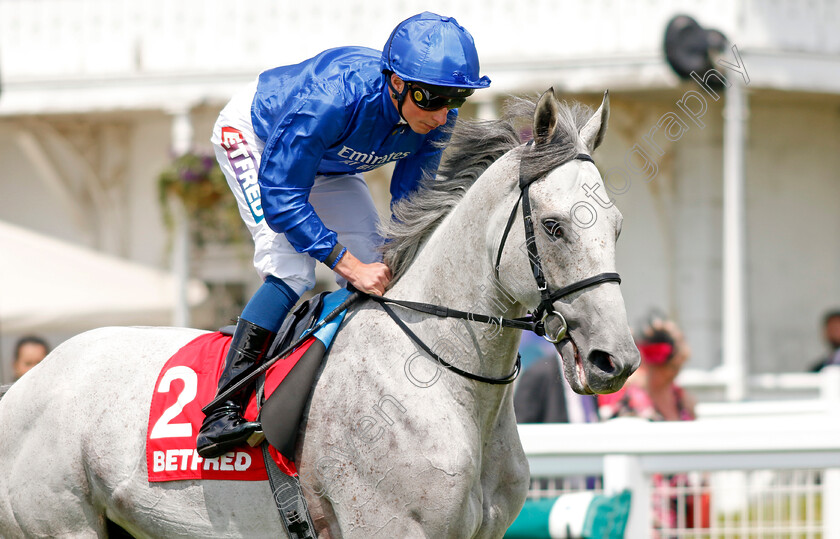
(50, 285)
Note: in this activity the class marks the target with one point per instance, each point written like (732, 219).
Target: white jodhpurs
(343, 203)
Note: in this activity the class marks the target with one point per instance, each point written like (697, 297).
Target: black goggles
(425, 99)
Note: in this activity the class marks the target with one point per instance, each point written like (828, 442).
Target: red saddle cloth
(184, 386)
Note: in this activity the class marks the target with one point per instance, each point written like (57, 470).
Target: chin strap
(399, 96)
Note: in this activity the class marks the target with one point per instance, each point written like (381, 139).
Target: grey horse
(393, 444)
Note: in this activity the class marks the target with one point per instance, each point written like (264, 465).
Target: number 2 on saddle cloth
(188, 381)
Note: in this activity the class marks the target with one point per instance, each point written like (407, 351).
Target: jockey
(293, 146)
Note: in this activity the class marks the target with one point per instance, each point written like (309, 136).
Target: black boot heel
(224, 428)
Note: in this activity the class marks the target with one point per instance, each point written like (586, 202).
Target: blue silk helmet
(434, 50)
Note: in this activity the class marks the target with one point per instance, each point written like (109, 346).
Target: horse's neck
(453, 269)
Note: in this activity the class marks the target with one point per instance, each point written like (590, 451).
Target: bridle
(544, 320)
(551, 324)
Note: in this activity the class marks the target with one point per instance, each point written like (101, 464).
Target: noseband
(544, 321)
(550, 324)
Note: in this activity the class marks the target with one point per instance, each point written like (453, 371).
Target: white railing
(785, 393)
(629, 452)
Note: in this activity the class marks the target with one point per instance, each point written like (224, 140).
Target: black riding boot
(224, 428)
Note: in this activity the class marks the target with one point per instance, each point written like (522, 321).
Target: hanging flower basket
(197, 181)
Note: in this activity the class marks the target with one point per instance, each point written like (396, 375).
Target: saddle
(280, 407)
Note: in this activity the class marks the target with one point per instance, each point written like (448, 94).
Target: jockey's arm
(291, 158)
(287, 180)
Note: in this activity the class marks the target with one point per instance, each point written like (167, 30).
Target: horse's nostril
(602, 361)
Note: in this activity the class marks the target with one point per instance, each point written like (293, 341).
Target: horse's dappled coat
(382, 455)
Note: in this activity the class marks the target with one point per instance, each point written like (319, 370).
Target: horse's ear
(545, 117)
(592, 134)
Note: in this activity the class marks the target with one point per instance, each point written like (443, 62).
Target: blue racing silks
(331, 114)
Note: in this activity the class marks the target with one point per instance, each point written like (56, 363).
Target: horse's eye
(553, 228)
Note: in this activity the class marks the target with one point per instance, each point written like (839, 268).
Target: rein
(477, 377)
(544, 321)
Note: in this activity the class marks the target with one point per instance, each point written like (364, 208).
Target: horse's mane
(474, 146)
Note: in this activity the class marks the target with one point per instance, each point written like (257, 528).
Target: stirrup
(256, 438)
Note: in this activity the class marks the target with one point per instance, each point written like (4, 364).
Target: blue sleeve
(314, 120)
(409, 171)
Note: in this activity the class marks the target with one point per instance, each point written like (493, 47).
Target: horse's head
(575, 227)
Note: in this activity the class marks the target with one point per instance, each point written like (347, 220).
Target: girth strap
(289, 500)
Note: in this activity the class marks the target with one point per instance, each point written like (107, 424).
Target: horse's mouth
(573, 366)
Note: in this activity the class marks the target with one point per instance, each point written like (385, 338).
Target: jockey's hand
(370, 278)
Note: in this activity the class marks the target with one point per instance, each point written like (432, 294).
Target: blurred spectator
(652, 393)
(831, 333)
(29, 351)
(542, 394)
